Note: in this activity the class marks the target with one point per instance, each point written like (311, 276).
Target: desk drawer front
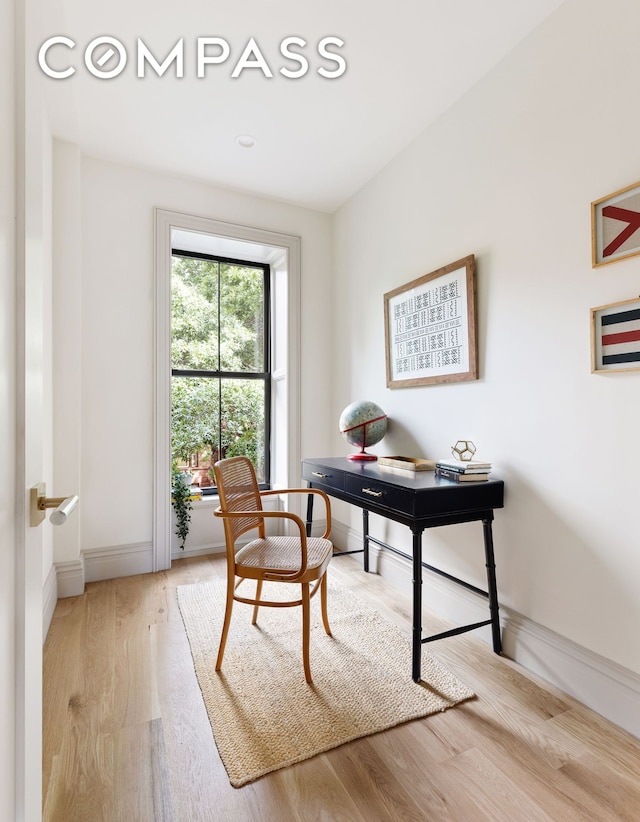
(373, 493)
(320, 475)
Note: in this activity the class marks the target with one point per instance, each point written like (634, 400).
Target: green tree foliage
(217, 307)
(194, 417)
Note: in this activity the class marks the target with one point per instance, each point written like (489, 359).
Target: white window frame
(282, 251)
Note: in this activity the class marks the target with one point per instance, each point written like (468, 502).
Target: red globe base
(362, 455)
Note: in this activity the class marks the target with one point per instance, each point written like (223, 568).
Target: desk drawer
(375, 494)
(321, 476)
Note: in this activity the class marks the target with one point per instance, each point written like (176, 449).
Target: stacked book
(463, 471)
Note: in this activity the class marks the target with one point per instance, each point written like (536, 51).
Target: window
(282, 253)
(220, 363)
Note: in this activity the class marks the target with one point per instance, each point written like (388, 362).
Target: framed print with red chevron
(615, 337)
(615, 226)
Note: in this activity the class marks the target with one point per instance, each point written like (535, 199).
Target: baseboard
(604, 686)
(197, 551)
(70, 576)
(49, 599)
(118, 561)
(610, 689)
(343, 537)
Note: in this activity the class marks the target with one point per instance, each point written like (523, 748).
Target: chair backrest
(238, 491)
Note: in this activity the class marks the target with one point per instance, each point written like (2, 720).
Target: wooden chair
(292, 559)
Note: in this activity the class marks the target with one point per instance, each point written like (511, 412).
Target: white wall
(115, 436)
(509, 174)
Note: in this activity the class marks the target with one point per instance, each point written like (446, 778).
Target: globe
(363, 423)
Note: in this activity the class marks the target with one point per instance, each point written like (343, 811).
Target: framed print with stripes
(615, 337)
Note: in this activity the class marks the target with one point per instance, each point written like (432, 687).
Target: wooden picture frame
(615, 337)
(615, 226)
(430, 328)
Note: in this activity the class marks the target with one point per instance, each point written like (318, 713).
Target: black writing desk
(418, 500)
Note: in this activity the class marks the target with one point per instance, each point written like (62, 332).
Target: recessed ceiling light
(246, 141)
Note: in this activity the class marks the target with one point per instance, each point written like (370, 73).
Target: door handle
(39, 502)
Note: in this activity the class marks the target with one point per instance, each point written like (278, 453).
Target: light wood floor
(126, 736)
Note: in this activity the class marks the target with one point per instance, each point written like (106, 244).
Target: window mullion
(225, 375)
(219, 364)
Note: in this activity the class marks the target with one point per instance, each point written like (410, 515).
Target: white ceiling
(318, 140)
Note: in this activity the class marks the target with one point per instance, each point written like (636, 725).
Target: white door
(7, 422)
(25, 147)
(31, 402)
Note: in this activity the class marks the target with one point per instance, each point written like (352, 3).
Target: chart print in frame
(430, 328)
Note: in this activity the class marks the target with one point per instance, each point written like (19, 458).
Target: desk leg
(309, 512)
(416, 637)
(491, 582)
(365, 538)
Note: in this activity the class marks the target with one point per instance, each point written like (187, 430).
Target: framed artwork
(615, 226)
(430, 328)
(615, 337)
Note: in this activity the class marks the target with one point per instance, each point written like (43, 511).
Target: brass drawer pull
(318, 474)
(371, 493)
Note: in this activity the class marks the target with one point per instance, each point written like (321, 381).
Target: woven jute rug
(265, 716)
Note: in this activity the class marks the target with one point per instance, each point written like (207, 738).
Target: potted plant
(181, 500)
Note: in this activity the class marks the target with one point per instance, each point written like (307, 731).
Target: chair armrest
(294, 575)
(327, 502)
